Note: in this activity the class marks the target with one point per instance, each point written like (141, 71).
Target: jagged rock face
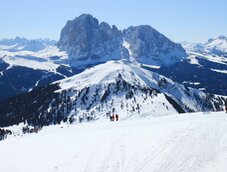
(151, 47)
(88, 42)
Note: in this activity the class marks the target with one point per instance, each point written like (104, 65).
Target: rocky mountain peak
(89, 42)
(221, 37)
(149, 46)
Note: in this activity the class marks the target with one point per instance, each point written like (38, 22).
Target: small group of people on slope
(114, 117)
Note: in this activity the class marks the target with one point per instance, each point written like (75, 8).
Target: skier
(117, 117)
(111, 117)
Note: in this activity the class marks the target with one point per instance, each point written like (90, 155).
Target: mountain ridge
(214, 46)
(98, 92)
(88, 42)
(22, 44)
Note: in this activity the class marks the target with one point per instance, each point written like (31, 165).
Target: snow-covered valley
(176, 143)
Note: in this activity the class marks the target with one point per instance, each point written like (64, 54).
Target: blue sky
(190, 20)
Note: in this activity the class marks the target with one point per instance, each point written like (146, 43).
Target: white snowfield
(216, 59)
(36, 60)
(178, 143)
(219, 44)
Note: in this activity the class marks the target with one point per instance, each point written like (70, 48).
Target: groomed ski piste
(176, 143)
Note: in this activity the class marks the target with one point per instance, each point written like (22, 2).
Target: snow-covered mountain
(124, 88)
(192, 47)
(217, 46)
(199, 71)
(89, 42)
(124, 73)
(214, 46)
(86, 42)
(19, 44)
(205, 68)
(23, 70)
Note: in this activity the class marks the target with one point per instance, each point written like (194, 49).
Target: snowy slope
(45, 59)
(215, 47)
(120, 87)
(133, 74)
(115, 87)
(23, 44)
(205, 72)
(196, 47)
(216, 59)
(37, 54)
(206, 64)
(22, 70)
(190, 142)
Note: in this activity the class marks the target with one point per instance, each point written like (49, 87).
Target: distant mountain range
(95, 70)
(27, 64)
(20, 44)
(215, 46)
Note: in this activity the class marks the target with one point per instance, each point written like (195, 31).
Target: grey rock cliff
(148, 46)
(89, 42)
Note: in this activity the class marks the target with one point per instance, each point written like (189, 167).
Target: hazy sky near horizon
(180, 20)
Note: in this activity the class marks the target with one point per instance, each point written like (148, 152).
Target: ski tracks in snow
(183, 143)
(199, 145)
(107, 156)
(191, 148)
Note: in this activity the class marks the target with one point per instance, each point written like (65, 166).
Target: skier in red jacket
(117, 117)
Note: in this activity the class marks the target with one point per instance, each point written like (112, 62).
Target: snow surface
(218, 44)
(30, 63)
(191, 83)
(193, 58)
(220, 71)
(212, 58)
(44, 53)
(109, 71)
(151, 66)
(102, 75)
(127, 46)
(215, 46)
(190, 142)
(131, 73)
(35, 60)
